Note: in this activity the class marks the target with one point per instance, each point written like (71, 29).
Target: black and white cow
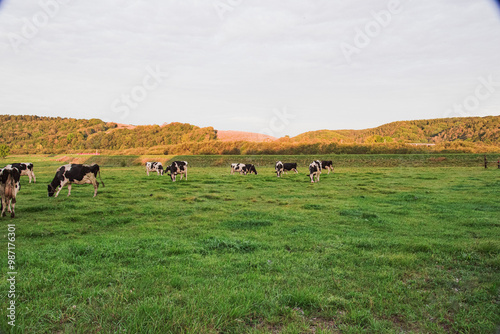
(327, 165)
(77, 174)
(237, 167)
(283, 167)
(177, 167)
(154, 167)
(279, 167)
(26, 168)
(9, 186)
(315, 170)
(250, 169)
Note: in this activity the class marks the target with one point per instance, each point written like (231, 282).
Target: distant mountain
(224, 135)
(471, 129)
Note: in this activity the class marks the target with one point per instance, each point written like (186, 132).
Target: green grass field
(366, 250)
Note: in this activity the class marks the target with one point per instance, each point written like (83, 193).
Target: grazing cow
(26, 168)
(285, 167)
(289, 166)
(237, 167)
(154, 167)
(327, 165)
(279, 168)
(250, 169)
(178, 167)
(314, 170)
(9, 186)
(77, 174)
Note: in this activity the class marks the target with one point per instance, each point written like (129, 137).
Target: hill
(470, 129)
(35, 134)
(224, 135)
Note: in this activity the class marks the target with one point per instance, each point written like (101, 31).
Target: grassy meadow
(372, 248)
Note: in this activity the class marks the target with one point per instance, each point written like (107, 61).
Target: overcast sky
(268, 66)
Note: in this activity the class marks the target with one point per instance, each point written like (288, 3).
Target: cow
(9, 187)
(250, 169)
(177, 167)
(237, 167)
(315, 170)
(25, 168)
(77, 174)
(154, 167)
(327, 165)
(283, 167)
(279, 166)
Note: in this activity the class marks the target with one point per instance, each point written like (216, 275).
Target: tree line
(55, 135)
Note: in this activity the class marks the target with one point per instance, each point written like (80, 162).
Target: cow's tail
(101, 178)
(9, 186)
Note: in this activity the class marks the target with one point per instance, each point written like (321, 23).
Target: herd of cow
(177, 167)
(70, 174)
(282, 167)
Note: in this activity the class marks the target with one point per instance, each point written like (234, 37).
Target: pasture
(366, 250)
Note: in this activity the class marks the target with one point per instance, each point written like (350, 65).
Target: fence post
(485, 162)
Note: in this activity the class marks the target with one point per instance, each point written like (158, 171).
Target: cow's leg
(69, 189)
(29, 175)
(4, 205)
(147, 171)
(12, 213)
(60, 188)
(34, 178)
(96, 185)
(7, 203)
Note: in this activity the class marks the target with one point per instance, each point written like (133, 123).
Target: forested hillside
(471, 129)
(34, 134)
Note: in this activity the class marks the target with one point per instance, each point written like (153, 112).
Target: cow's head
(279, 168)
(51, 190)
(160, 168)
